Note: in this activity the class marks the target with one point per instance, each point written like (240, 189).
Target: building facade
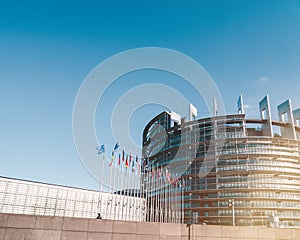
(230, 170)
(34, 198)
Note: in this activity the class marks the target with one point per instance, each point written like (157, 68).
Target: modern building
(231, 170)
(35, 198)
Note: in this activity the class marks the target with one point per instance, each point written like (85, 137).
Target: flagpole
(176, 200)
(133, 191)
(166, 201)
(130, 194)
(138, 190)
(172, 200)
(145, 189)
(126, 189)
(120, 190)
(117, 195)
(145, 168)
(160, 188)
(178, 191)
(122, 181)
(149, 194)
(153, 194)
(109, 203)
(169, 200)
(131, 164)
(114, 187)
(181, 206)
(130, 187)
(133, 197)
(133, 200)
(142, 188)
(164, 197)
(136, 204)
(102, 148)
(160, 195)
(125, 183)
(171, 203)
(156, 195)
(139, 193)
(167, 197)
(124, 195)
(182, 200)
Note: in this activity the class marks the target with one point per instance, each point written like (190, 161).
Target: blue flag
(100, 149)
(116, 147)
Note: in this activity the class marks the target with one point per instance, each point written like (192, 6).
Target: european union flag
(116, 147)
(100, 149)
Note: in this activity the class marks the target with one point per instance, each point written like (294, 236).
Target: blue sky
(48, 48)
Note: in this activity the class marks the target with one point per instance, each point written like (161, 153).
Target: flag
(123, 156)
(119, 162)
(183, 182)
(144, 165)
(168, 175)
(159, 173)
(175, 181)
(133, 166)
(180, 182)
(137, 164)
(130, 158)
(126, 163)
(116, 147)
(112, 158)
(153, 173)
(100, 149)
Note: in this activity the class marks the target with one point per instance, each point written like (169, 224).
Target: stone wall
(27, 227)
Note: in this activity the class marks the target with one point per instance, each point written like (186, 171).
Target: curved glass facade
(229, 172)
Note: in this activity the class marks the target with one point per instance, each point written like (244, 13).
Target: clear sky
(47, 48)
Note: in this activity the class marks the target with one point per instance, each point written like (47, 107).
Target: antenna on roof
(240, 105)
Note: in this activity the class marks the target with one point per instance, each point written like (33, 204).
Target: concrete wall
(27, 227)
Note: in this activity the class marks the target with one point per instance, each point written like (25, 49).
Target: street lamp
(231, 205)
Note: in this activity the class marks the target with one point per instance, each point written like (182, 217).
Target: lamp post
(231, 205)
